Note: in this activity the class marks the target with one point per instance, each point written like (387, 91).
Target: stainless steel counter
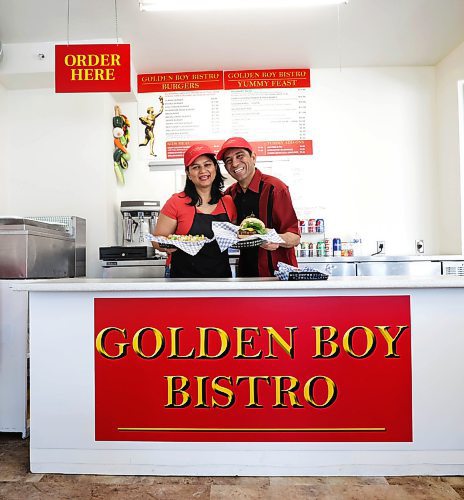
(384, 265)
(388, 265)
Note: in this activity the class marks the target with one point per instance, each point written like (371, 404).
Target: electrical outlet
(419, 246)
(381, 247)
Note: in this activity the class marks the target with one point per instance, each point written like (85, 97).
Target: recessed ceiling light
(189, 5)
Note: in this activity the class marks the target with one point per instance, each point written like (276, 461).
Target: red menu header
(224, 80)
(266, 79)
(92, 68)
(176, 149)
(171, 82)
(278, 369)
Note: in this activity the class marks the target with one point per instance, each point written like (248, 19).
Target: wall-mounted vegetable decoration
(121, 136)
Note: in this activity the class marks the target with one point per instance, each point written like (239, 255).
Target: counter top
(244, 284)
(382, 258)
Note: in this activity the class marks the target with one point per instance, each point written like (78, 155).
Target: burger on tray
(253, 234)
(251, 226)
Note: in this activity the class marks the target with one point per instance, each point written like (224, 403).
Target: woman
(192, 212)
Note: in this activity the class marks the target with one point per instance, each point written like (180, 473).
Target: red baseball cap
(234, 142)
(193, 152)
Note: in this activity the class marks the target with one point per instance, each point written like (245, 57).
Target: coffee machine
(139, 218)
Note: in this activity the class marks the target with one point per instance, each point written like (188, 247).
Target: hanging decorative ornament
(121, 136)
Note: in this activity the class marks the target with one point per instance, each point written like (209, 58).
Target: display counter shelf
(349, 376)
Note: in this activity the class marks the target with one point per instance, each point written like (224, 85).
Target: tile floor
(17, 483)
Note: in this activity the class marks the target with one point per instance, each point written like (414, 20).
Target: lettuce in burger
(251, 226)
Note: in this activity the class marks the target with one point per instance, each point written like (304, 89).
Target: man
(265, 197)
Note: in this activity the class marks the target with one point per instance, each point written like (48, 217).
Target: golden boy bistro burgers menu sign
(253, 369)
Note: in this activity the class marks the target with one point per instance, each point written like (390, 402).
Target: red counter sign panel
(253, 369)
(92, 68)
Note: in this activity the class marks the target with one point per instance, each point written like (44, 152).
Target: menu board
(270, 108)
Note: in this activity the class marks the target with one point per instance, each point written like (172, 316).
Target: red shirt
(281, 217)
(176, 208)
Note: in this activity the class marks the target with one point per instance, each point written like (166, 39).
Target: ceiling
(371, 33)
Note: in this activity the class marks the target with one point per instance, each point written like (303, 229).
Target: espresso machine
(138, 219)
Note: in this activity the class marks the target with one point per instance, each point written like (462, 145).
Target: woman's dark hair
(216, 188)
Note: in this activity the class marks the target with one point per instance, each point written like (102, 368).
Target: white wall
(374, 163)
(62, 161)
(3, 147)
(449, 71)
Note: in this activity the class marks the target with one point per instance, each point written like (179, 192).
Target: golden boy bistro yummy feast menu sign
(253, 369)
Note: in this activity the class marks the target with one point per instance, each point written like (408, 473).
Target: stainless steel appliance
(139, 218)
(30, 247)
(145, 268)
(136, 258)
(399, 267)
(42, 247)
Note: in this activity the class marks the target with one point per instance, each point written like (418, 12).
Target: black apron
(209, 262)
(247, 204)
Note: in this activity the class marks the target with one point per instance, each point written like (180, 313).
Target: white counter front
(386, 353)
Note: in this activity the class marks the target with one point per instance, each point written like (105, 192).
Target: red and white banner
(92, 68)
(253, 369)
(176, 149)
(187, 81)
(266, 79)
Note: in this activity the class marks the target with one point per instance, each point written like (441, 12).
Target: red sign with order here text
(253, 369)
(92, 68)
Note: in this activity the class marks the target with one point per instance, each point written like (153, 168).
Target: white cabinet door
(13, 359)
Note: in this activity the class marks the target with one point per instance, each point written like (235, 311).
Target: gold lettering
(320, 341)
(240, 341)
(175, 344)
(204, 342)
(274, 336)
(391, 341)
(348, 341)
(308, 391)
(253, 388)
(294, 384)
(225, 391)
(137, 342)
(76, 74)
(173, 391)
(115, 60)
(70, 60)
(80, 60)
(100, 343)
(201, 390)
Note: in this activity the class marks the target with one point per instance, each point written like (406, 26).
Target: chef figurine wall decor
(149, 121)
(121, 136)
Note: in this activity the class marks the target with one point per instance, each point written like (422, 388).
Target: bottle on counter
(310, 249)
(337, 247)
(311, 225)
(320, 226)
